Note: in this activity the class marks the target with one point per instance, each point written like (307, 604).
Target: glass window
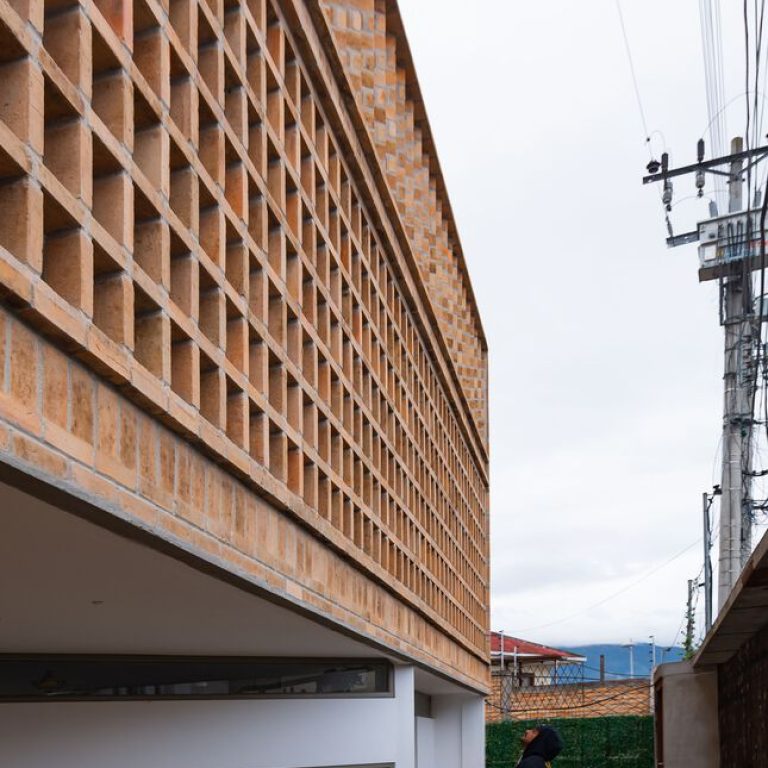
(80, 677)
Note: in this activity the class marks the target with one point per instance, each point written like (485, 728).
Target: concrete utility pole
(652, 638)
(688, 644)
(706, 503)
(730, 250)
(735, 512)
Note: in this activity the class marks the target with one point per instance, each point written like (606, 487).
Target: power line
(714, 85)
(621, 591)
(608, 672)
(760, 35)
(758, 51)
(745, 14)
(677, 634)
(646, 132)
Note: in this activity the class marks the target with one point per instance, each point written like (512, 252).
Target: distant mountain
(617, 665)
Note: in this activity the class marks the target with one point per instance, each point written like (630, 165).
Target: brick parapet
(179, 218)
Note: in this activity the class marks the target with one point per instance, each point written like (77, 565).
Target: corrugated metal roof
(530, 650)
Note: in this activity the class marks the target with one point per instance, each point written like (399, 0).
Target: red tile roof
(527, 649)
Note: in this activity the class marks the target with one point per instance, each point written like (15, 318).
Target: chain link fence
(546, 691)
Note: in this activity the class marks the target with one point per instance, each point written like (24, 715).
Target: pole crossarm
(759, 153)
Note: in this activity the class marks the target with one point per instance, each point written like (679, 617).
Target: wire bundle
(714, 83)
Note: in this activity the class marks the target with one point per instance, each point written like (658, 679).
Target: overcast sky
(606, 354)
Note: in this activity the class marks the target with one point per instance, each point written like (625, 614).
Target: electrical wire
(712, 52)
(621, 591)
(641, 110)
(646, 132)
(757, 120)
(673, 644)
(762, 105)
(746, 93)
(763, 97)
(607, 672)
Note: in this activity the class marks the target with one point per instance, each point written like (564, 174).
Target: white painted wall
(405, 694)
(459, 731)
(274, 733)
(212, 734)
(472, 732)
(425, 743)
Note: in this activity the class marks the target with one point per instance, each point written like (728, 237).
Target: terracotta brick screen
(377, 61)
(192, 215)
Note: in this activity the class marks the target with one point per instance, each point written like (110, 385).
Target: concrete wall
(687, 728)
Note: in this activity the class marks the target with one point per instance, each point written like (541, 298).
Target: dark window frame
(287, 662)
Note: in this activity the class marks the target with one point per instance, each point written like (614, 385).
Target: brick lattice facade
(377, 61)
(189, 214)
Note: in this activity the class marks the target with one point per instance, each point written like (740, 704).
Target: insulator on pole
(666, 195)
(700, 182)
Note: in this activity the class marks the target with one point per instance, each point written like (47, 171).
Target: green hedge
(593, 742)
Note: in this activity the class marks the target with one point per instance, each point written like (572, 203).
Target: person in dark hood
(541, 744)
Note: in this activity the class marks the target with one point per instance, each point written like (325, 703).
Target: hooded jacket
(545, 747)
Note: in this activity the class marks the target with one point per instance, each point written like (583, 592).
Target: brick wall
(374, 50)
(189, 215)
(743, 705)
(589, 699)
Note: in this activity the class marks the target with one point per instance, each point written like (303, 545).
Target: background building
(243, 394)
(527, 663)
